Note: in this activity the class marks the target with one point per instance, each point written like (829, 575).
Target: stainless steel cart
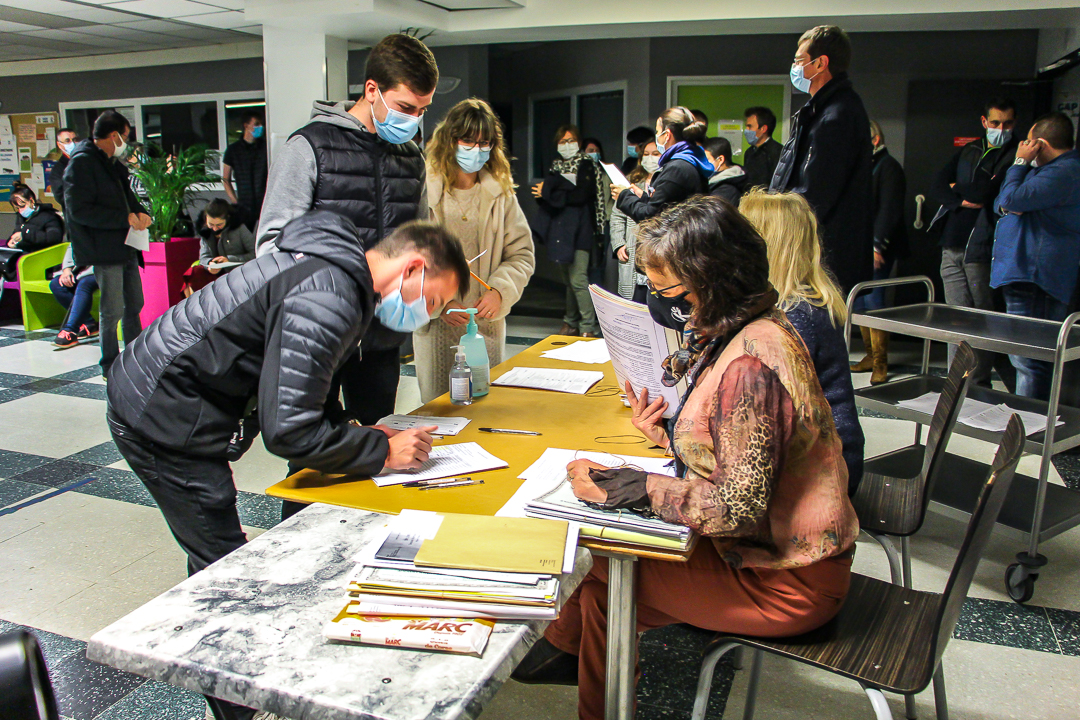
(1032, 503)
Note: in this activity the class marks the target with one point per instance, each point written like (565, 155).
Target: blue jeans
(1033, 377)
(874, 299)
(77, 300)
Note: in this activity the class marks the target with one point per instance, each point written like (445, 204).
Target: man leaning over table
(258, 349)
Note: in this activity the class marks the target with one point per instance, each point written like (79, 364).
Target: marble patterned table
(248, 629)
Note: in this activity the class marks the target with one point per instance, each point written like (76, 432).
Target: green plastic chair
(39, 308)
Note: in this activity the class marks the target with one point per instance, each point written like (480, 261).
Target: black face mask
(671, 312)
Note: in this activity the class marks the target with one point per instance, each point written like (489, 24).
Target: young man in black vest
(359, 160)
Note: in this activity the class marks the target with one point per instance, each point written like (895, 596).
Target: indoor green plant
(171, 182)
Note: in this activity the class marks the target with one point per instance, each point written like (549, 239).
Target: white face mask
(568, 150)
(650, 164)
(120, 149)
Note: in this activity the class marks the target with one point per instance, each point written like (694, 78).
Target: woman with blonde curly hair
(813, 304)
(470, 191)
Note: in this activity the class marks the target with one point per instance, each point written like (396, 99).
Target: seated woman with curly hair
(760, 472)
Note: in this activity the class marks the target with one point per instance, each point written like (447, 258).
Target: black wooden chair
(886, 637)
(892, 498)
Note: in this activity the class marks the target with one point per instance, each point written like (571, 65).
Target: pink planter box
(162, 277)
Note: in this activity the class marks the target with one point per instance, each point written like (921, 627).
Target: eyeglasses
(660, 291)
(471, 144)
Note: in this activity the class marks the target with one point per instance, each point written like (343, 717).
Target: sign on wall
(27, 151)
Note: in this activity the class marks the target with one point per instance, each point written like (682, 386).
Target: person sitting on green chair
(74, 288)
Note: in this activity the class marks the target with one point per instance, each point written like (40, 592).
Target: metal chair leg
(751, 688)
(738, 657)
(879, 703)
(708, 667)
(890, 553)
(905, 557)
(941, 705)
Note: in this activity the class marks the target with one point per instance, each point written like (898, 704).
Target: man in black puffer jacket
(828, 157)
(269, 336)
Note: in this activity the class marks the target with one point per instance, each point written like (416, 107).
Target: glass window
(178, 126)
(548, 115)
(600, 116)
(234, 114)
(82, 120)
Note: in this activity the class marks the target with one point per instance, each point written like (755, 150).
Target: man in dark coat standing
(827, 159)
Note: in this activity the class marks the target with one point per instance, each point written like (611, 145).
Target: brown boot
(566, 329)
(880, 342)
(867, 363)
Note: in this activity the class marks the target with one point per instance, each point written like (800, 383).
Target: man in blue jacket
(1037, 247)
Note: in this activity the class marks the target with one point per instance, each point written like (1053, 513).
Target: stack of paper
(593, 352)
(547, 494)
(443, 425)
(463, 566)
(444, 461)
(637, 345)
(981, 415)
(577, 382)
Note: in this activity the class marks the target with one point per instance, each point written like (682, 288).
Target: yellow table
(595, 421)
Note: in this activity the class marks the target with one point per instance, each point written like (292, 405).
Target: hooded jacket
(827, 160)
(97, 202)
(728, 184)
(684, 171)
(334, 163)
(235, 242)
(274, 331)
(41, 230)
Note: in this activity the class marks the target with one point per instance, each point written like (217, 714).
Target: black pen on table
(507, 431)
(435, 481)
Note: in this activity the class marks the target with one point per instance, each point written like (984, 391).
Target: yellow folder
(499, 544)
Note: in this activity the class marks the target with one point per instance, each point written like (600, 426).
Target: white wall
(1054, 43)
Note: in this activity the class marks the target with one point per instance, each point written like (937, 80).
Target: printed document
(593, 352)
(616, 176)
(444, 425)
(577, 382)
(444, 461)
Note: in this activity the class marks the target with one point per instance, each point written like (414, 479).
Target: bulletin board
(27, 153)
(724, 99)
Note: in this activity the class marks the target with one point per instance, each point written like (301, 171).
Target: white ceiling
(40, 29)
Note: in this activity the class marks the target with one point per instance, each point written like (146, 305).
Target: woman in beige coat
(470, 190)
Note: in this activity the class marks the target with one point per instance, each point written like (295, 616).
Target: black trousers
(368, 385)
(197, 496)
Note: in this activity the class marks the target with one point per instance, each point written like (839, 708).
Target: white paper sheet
(445, 425)
(615, 175)
(138, 239)
(223, 265)
(577, 382)
(571, 178)
(549, 470)
(445, 461)
(592, 352)
(637, 346)
(981, 415)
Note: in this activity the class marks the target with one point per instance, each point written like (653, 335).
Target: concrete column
(301, 66)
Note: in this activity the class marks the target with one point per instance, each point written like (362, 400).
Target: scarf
(560, 166)
(696, 344)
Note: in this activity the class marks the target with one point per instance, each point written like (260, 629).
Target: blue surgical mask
(595, 156)
(257, 132)
(631, 150)
(398, 128)
(27, 211)
(69, 148)
(659, 145)
(472, 159)
(799, 79)
(998, 137)
(400, 316)
(750, 135)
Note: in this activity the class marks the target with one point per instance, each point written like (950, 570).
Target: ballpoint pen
(437, 481)
(453, 484)
(506, 431)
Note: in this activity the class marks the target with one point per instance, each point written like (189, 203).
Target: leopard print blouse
(765, 475)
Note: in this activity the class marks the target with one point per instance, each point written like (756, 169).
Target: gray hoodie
(290, 188)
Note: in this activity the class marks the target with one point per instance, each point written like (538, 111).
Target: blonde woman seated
(759, 468)
(471, 192)
(813, 304)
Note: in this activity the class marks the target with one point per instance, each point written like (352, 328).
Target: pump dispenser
(476, 355)
(461, 379)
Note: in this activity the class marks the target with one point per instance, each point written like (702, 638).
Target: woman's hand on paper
(409, 449)
(490, 304)
(583, 486)
(648, 416)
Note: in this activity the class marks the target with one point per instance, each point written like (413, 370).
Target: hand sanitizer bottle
(476, 355)
(461, 379)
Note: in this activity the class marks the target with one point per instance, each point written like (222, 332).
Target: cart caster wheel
(1019, 584)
